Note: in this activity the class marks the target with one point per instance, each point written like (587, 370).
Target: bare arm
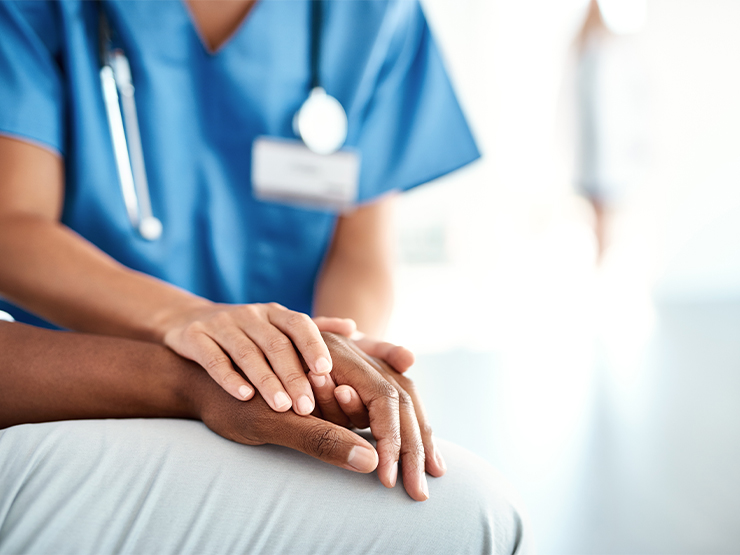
(47, 375)
(53, 272)
(50, 270)
(356, 281)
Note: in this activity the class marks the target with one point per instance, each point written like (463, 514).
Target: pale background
(608, 393)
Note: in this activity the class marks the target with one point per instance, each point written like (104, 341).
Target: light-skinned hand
(264, 341)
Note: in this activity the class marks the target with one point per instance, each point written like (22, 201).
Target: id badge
(286, 171)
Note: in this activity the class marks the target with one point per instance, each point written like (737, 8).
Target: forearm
(357, 278)
(47, 376)
(53, 272)
(363, 292)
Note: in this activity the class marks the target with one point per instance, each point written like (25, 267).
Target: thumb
(399, 358)
(328, 442)
(342, 326)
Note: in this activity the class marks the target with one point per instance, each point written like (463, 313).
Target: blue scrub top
(199, 113)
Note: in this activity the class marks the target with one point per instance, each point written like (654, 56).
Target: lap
(173, 486)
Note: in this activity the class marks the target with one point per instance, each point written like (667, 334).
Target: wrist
(175, 314)
(190, 388)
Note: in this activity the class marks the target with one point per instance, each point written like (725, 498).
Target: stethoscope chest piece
(321, 122)
(150, 228)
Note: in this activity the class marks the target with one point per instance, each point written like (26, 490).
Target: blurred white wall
(693, 52)
(504, 244)
(488, 227)
(610, 406)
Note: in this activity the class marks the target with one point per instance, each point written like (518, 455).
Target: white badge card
(286, 171)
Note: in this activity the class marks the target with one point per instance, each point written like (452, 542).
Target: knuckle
(230, 378)
(323, 441)
(312, 342)
(193, 329)
(425, 429)
(266, 380)
(246, 352)
(278, 344)
(393, 440)
(413, 451)
(215, 362)
(405, 400)
(250, 310)
(274, 306)
(387, 390)
(298, 320)
(221, 319)
(294, 379)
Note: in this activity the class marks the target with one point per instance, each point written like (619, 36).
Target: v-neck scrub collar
(199, 113)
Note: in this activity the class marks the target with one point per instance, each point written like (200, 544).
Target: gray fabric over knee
(172, 486)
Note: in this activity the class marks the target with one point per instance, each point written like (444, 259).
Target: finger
(412, 448)
(305, 335)
(323, 390)
(200, 348)
(352, 406)
(342, 326)
(325, 441)
(251, 359)
(434, 463)
(279, 350)
(418, 450)
(380, 398)
(400, 358)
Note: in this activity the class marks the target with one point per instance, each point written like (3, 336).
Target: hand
(263, 340)
(400, 358)
(331, 398)
(51, 375)
(370, 393)
(254, 423)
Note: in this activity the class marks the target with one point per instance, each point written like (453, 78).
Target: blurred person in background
(609, 100)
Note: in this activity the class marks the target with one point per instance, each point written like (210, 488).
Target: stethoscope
(321, 121)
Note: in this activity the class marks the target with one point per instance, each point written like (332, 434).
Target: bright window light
(623, 16)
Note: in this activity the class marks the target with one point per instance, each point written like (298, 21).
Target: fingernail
(318, 381)
(244, 391)
(305, 406)
(343, 396)
(438, 455)
(362, 459)
(440, 461)
(424, 485)
(281, 400)
(322, 366)
(394, 473)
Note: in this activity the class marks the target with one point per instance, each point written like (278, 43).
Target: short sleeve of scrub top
(199, 113)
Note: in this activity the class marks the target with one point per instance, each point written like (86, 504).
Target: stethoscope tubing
(120, 108)
(120, 148)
